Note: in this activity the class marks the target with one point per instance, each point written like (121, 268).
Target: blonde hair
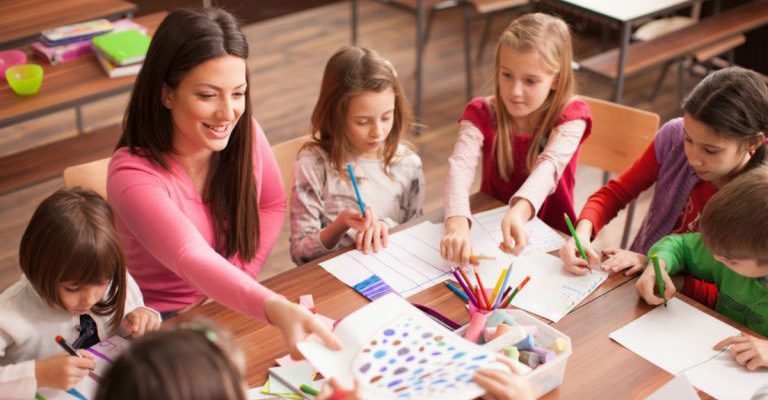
(551, 38)
(734, 223)
(348, 73)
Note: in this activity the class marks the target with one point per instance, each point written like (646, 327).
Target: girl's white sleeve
(550, 164)
(17, 381)
(133, 297)
(461, 170)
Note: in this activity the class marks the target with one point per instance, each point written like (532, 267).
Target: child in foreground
(74, 285)
(197, 361)
(731, 251)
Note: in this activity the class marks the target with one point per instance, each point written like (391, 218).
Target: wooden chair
(285, 153)
(91, 175)
(619, 135)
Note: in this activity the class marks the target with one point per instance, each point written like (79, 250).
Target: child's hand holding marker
(577, 253)
(746, 350)
(648, 282)
(374, 235)
(63, 371)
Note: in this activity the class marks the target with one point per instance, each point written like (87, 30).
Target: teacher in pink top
(194, 182)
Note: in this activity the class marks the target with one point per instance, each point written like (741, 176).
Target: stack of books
(66, 43)
(121, 53)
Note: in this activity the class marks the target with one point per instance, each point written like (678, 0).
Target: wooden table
(263, 343)
(600, 368)
(66, 85)
(23, 20)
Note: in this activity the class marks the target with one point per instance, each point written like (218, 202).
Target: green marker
(659, 279)
(576, 239)
(309, 390)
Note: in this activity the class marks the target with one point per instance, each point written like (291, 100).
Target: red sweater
(603, 206)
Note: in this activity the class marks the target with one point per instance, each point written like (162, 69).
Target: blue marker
(357, 190)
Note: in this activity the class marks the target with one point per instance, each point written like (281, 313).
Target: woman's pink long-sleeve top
(167, 233)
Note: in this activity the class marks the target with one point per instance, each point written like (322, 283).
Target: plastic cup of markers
(473, 309)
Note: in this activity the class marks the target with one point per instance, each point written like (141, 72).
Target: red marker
(72, 352)
(64, 345)
(517, 289)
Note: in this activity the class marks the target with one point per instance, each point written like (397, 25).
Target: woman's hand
(647, 282)
(63, 371)
(455, 245)
(296, 323)
(140, 321)
(620, 259)
(746, 350)
(375, 233)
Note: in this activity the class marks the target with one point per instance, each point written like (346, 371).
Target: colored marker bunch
(502, 294)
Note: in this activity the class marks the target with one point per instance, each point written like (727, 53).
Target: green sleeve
(686, 253)
(671, 249)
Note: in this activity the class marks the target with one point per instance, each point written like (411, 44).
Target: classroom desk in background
(21, 21)
(70, 84)
(263, 343)
(625, 13)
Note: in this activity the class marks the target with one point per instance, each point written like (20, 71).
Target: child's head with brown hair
(734, 223)
(361, 109)
(533, 83)
(71, 254)
(725, 121)
(192, 362)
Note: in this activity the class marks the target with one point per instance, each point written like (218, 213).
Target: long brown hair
(72, 238)
(550, 37)
(185, 39)
(734, 103)
(180, 364)
(348, 73)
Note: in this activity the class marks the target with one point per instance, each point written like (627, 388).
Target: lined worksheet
(541, 238)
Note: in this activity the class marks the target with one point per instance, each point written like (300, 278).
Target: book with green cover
(123, 48)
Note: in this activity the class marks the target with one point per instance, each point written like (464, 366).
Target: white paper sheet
(409, 333)
(410, 263)
(679, 338)
(552, 292)
(541, 238)
(289, 378)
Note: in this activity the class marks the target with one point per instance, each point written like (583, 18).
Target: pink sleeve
(461, 170)
(271, 199)
(551, 163)
(141, 201)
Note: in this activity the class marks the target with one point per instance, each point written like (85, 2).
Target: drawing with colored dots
(397, 352)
